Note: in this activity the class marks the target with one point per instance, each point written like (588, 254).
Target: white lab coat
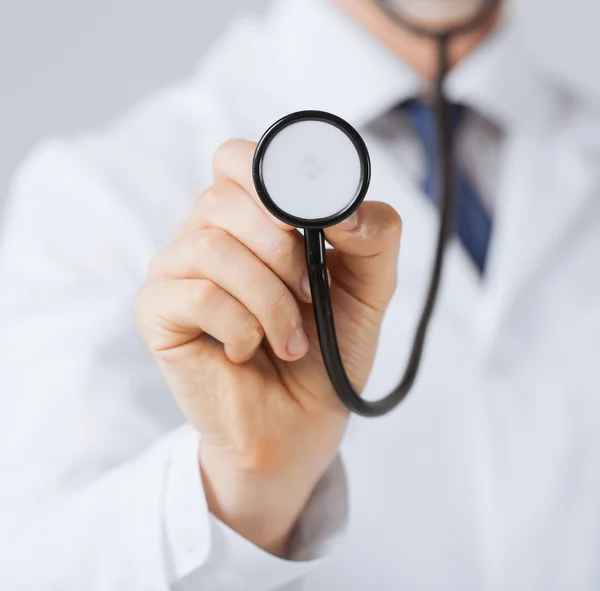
(487, 477)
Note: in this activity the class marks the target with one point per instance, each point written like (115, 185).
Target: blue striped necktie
(473, 224)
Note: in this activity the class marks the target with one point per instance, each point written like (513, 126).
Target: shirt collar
(328, 62)
(502, 81)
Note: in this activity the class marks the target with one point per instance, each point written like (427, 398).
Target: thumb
(366, 246)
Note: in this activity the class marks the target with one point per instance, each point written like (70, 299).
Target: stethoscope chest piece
(311, 169)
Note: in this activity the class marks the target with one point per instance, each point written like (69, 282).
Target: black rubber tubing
(316, 261)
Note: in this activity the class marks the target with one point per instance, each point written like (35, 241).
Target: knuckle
(218, 201)
(210, 197)
(225, 152)
(204, 294)
(212, 241)
(253, 331)
(282, 246)
(283, 311)
(279, 302)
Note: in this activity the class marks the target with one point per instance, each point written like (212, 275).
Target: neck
(418, 52)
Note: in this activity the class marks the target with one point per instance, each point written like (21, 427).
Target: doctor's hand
(226, 314)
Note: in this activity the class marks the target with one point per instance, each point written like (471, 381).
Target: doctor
(487, 477)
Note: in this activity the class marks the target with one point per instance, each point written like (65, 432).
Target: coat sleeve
(100, 484)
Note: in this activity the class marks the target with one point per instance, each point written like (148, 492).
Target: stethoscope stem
(316, 259)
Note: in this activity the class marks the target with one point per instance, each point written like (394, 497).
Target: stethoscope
(312, 170)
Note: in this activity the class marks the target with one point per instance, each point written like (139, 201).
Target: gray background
(67, 65)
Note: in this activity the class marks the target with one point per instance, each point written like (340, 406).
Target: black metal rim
(349, 131)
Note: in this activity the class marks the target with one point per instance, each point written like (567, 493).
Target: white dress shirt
(487, 477)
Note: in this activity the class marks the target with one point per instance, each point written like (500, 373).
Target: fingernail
(297, 344)
(305, 287)
(350, 223)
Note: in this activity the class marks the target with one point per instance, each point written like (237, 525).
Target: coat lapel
(548, 180)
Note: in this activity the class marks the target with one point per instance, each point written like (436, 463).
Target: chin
(435, 11)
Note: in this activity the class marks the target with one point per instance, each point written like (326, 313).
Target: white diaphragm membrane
(312, 170)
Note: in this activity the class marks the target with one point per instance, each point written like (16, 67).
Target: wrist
(262, 506)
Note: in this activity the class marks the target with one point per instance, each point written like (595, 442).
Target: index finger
(233, 162)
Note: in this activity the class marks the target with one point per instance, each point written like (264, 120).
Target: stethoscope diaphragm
(311, 169)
